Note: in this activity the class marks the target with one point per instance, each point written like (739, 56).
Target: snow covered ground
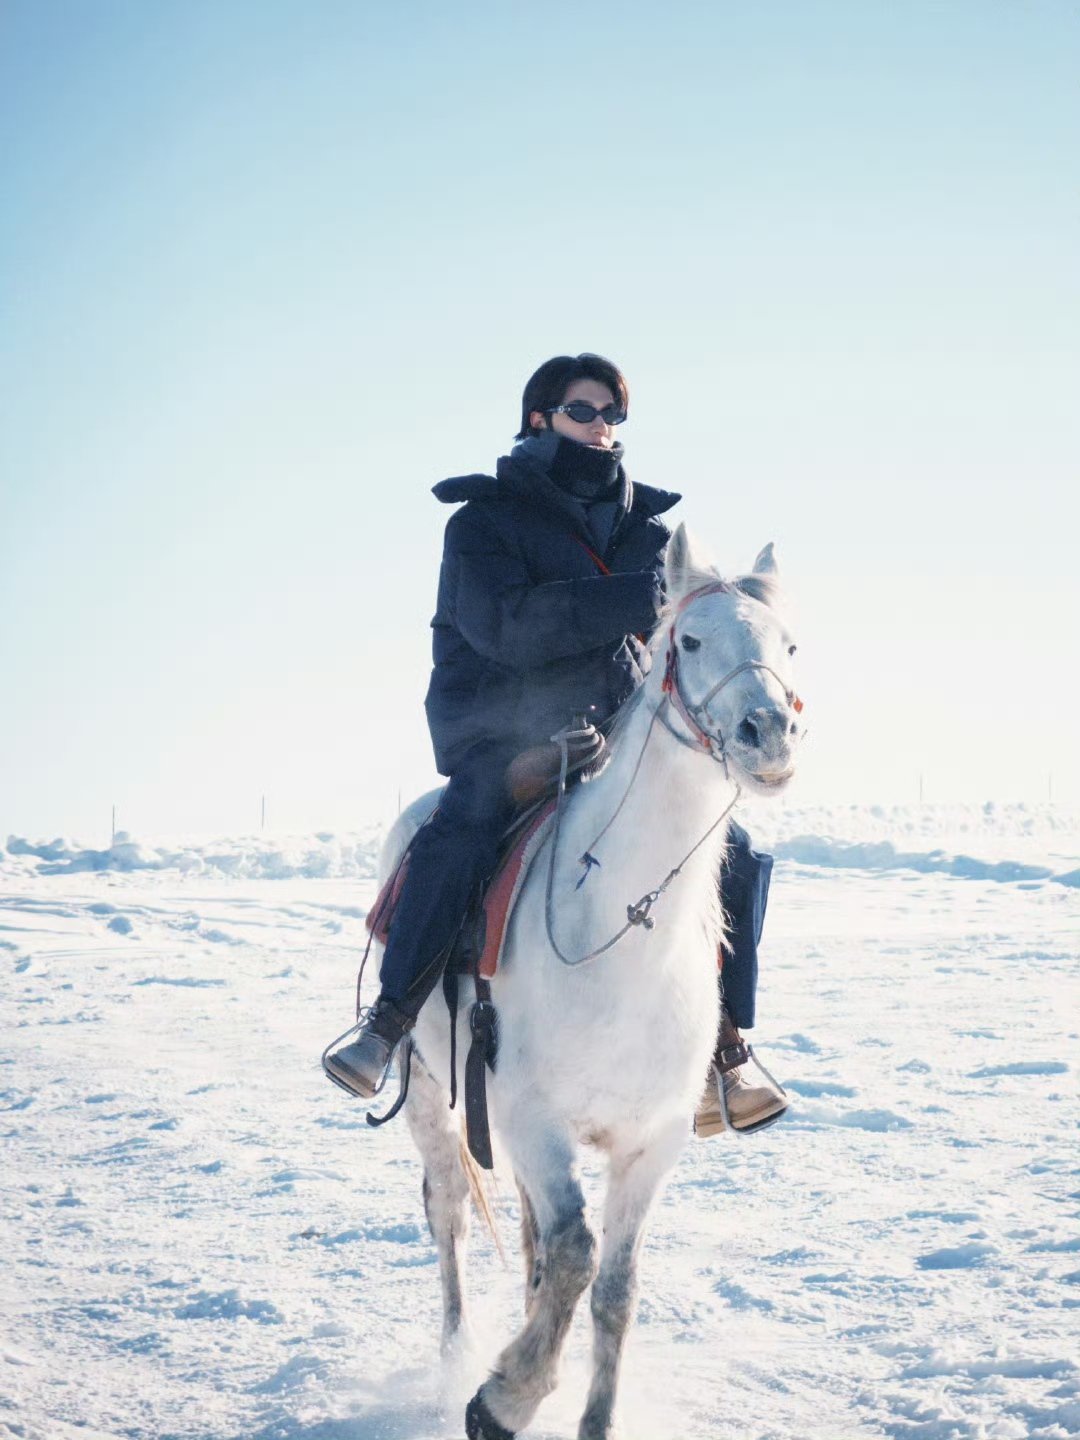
(201, 1238)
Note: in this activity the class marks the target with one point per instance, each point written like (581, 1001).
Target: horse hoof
(480, 1424)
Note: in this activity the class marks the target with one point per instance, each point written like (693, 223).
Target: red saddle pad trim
(499, 897)
(381, 913)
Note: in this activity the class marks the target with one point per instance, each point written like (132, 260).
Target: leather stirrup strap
(450, 994)
(483, 1023)
(730, 1057)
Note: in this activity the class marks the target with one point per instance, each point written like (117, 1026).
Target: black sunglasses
(584, 413)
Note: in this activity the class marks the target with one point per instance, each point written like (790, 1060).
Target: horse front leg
(565, 1263)
(633, 1181)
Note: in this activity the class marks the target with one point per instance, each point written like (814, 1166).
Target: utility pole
(920, 788)
(262, 821)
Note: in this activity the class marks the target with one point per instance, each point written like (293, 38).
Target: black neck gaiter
(587, 472)
(591, 478)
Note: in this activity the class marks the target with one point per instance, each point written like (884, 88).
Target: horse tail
(481, 1191)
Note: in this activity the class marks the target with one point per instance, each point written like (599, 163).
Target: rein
(712, 743)
(637, 912)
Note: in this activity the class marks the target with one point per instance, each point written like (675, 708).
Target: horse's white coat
(613, 1052)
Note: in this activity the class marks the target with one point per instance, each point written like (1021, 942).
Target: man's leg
(450, 856)
(453, 853)
(740, 1094)
(744, 894)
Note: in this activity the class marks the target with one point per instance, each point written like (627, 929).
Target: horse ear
(765, 564)
(685, 566)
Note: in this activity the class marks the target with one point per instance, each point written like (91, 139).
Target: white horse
(610, 1049)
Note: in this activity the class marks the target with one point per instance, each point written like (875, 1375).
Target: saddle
(479, 948)
(532, 779)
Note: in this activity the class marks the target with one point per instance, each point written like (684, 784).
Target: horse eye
(791, 649)
(689, 642)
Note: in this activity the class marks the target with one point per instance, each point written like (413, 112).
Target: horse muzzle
(764, 742)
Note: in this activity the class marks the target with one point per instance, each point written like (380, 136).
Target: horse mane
(617, 726)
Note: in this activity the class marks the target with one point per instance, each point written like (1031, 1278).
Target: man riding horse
(551, 584)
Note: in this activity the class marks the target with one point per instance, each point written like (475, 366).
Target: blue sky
(268, 271)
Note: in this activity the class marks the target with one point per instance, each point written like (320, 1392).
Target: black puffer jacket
(528, 630)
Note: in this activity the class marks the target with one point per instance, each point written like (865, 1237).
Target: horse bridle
(693, 714)
(713, 744)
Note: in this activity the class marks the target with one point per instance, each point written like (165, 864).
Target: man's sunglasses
(584, 413)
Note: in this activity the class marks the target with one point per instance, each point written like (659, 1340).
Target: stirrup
(353, 1029)
(722, 1095)
(404, 1071)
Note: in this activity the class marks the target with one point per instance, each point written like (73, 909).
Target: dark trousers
(744, 894)
(450, 856)
(456, 850)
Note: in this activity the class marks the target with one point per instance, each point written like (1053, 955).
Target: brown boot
(740, 1094)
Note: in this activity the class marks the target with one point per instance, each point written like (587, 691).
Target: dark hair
(546, 387)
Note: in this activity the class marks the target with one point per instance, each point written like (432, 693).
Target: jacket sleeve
(507, 618)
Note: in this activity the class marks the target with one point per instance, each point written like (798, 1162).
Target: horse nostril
(748, 734)
(793, 729)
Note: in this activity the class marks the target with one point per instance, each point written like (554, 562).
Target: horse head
(728, 670)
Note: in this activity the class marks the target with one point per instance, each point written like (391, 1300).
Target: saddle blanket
(499, 897)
